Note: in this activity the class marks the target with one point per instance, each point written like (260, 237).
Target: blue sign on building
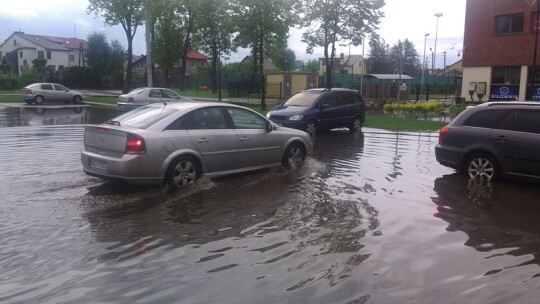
(535, 94)
(504, 92)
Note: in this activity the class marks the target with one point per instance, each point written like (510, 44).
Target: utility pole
(148, 45)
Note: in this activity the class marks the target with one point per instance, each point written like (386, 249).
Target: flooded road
(370, 218)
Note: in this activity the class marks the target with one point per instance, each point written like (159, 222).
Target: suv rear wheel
(482, 166)
(356, 124)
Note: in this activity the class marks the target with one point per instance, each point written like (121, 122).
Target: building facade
(499, 49)
(352, 64)
(20, 49)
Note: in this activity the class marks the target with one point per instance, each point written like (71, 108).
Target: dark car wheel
(294, 156)
(356, 124)
(77, 99)
(482, 166)
(39, 99)
(311, 128)
(182, 172)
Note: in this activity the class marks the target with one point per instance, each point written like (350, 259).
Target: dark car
(493, 139)
(321, 109)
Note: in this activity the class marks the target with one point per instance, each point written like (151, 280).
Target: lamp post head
(438, 15)
(427, 34)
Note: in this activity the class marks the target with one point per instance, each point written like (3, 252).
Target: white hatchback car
(178, 142)
(143, 96)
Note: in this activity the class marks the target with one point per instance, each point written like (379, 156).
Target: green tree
(260, 26)
(213, 34)
(404, 53)
(378, 61)
(330, 21)
(116, 63)
(40, 65)
(285, 59)
(98, 55)
(312, 65)
(128, 13)
(167, 44)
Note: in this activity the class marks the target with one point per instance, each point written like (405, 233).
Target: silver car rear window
(144, 117)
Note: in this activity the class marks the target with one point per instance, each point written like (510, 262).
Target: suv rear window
(486, 119)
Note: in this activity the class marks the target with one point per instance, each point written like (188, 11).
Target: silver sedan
(179, 142)
(143, 96)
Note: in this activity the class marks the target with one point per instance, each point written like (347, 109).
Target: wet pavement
(370, 218)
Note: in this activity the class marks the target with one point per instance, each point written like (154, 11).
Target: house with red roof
(195, 60)
(20, 49)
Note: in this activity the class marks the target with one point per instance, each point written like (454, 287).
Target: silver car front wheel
(294, 156)
(183, 171)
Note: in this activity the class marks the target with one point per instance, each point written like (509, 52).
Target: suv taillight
(135, 144)
(442, 132)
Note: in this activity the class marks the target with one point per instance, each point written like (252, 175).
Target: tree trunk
(127, 84)
(261, 71)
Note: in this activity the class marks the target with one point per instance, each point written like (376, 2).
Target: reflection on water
(493, 215)
(54, 115)
(354, 225)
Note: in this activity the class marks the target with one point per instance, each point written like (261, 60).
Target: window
(15, 42)
(71, 57)
(527, 121)
(508, 122)
(328, 100)
(506, 75)
(207, 118)
(155, 93)
(48, 54)
(485, 119)
(246, 120)
(21, 54)
(47, 86)
(508, 24)
(60, 88)
(41, 54)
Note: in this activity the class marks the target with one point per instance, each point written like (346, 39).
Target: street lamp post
(533, 69)
(444, 73)
(423, 66)
(438, 15)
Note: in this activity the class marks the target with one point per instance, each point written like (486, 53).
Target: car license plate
(98, 164)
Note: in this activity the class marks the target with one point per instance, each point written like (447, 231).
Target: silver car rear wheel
(482, 167)
(39, 99)
(294, 156)
(183, 171)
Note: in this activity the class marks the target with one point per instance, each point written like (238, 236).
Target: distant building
(352, 64)
(194, 61)
(268, 65)
(499, 44)
(455, 69)
(20, 49)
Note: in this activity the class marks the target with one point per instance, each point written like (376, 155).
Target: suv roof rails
(512, 103)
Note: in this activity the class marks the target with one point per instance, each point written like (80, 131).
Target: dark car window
(329, 100)
(155, 93)
(47, 87)
(169, 94)
(485, 119)
(60, 88)
(528, 121)
(344, 98)
(206, 118)
(508, 122)
(246, 120)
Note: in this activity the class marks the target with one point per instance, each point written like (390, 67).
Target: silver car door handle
(244, 139)
(202, 140)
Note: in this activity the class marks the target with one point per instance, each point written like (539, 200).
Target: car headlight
(296, 117)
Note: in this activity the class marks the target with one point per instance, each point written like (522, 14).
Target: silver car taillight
(135, 144)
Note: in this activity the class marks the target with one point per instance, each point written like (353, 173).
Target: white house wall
(483, 74)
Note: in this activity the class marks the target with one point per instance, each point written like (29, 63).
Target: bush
(416, 109)
(456, 109)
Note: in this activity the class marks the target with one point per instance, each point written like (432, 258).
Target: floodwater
(370, 218)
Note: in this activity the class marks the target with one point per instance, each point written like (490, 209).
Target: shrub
(416, 109)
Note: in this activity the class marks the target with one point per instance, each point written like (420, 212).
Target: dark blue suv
(321, 109)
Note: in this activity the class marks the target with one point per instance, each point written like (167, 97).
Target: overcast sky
(404, 19)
